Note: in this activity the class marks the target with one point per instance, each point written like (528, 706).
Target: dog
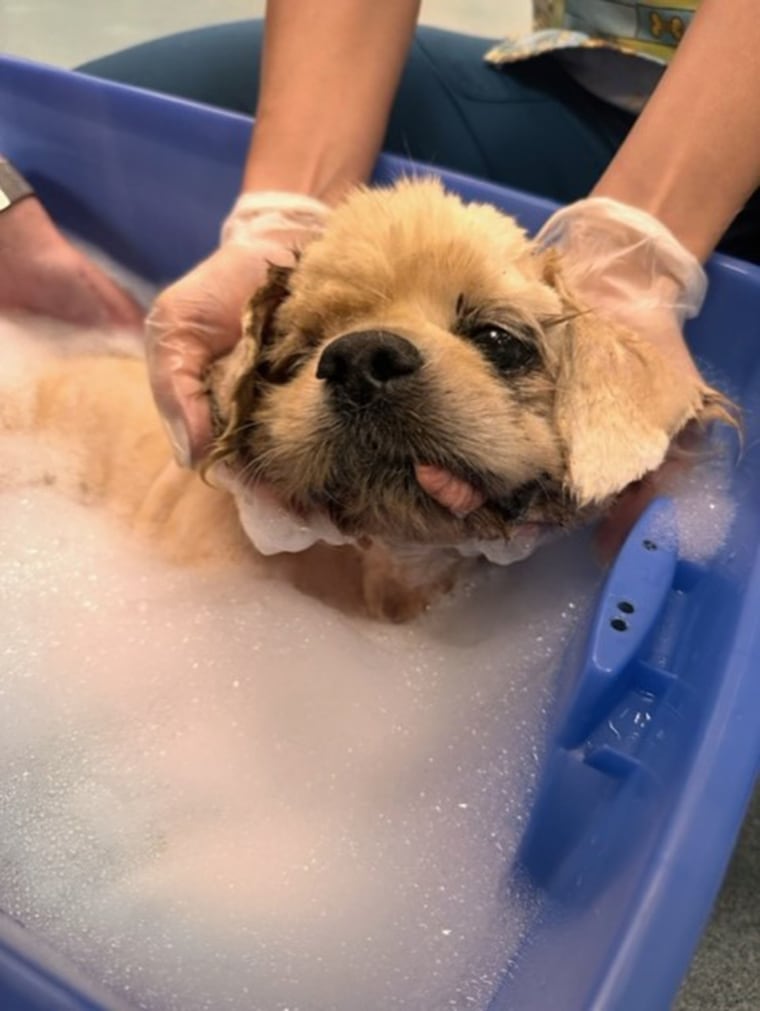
(422, 379)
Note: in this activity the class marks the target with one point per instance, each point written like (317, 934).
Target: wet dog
(421, 380)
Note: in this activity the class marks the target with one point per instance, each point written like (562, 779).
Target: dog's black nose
(361, 364)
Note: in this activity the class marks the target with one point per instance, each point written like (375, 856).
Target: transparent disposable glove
(42, 273)
(197, 319)
(626, 265)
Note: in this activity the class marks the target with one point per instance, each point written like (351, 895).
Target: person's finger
(177, 360)
(183, 402)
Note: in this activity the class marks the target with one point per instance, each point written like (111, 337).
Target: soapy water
(219, 793)
(704, 505)
(223, 794)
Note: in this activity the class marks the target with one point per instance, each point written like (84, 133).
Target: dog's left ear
(231, 380)
(619, 403)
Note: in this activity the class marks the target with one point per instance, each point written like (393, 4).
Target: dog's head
(422, 375)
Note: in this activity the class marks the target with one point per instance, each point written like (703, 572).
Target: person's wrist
(325, 162)
(273, 215)
(27, 234)
(29, 209)
(14, 187)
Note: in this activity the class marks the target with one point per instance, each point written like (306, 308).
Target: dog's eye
(504, 350)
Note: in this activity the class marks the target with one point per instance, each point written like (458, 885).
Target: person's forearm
(329, 75)
(693, 157)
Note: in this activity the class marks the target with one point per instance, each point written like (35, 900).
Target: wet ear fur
(619, 403)
(231, 384)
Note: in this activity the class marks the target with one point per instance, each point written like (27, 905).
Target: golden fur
(587, 408)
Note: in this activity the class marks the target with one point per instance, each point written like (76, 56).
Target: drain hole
(626, 607)
(619, 625)
(650, 545)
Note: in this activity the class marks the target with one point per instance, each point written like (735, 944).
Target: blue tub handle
(629, 606)
(596, 754)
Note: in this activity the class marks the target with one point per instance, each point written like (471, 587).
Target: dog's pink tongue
(449, 491)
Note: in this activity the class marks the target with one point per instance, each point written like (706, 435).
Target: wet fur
(550, 443)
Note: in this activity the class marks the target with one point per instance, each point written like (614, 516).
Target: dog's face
(421, 376)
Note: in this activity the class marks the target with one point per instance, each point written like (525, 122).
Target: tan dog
(421, 377)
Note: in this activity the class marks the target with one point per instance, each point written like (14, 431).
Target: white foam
(219, 793)
(705, 505)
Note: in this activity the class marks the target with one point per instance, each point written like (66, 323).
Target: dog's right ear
(231, 381)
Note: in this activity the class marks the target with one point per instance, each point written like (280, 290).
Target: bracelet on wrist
(13, 186)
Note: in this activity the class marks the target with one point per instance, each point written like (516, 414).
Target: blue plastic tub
(632, 830)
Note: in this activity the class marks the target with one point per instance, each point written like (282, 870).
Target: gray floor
(725, 975)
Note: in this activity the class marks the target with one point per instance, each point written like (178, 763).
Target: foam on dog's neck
(272, 529)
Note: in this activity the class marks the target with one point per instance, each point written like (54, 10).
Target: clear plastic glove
(197, 319)
(625, 264)
(628, 267)
(42, 273)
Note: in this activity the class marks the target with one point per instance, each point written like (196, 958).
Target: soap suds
(219, 793)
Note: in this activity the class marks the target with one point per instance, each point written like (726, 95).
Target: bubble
(214, 785)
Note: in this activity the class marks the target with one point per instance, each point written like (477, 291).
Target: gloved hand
(626, 265)
(42, 273)
(197, 319)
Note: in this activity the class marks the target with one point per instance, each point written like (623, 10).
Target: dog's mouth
(459, 518)
(409, 503)
(381, 469)
(405, 496)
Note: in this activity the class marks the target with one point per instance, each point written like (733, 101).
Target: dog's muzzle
(359, 367)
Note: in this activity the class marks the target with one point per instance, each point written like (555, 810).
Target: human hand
(197, 319)
(628, 267)
(42, 273)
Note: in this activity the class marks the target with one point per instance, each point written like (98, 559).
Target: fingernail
(179, 439)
